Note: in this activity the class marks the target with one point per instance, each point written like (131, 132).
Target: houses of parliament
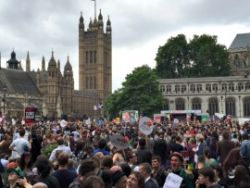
(52, 91)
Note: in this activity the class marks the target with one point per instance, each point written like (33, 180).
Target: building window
(196, 104)
(177, 88)
(180, 104)
(247, 86)
(192, 88)
(224, 87)
(213, 106)
(90, 83)
(208, 87)
(240, 86)
(231, 86)
(91, 57)
(215, 87)
(87, 57)
(162, 88)
(168, 88)
(230, 106)
(183, 88)
(246, 105)
(199, 87)
(87, 82)
(94, 56)
(165, 105)
(94, 82)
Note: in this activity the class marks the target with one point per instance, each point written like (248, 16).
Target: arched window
(213, 106)
(183, 88)
(94, 82)
(247, 86)
(208, 87)
(91, 56)
(215, 87)
(168, 88)
(87, 57)
(240, 86)
(192, 88)
(180, 104)
(199, 88)
(224, 87)
(165, 105)
(246, 106)
(196, 104)
(87, 82)
(90, 83)
(177, 88)
(230, 106)
(162, 88)
(231, 86)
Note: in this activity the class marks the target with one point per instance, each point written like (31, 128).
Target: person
(102, 147)
(241, 174)
(161, 149)
(119, 179)
(25, 165)
(145, 170)
(135, 180)
(60, 148)
(93, 182)
(143, 154)
(64, 176)
(176, 167)
(245, 147)
(207, 177)
(224, 146)
(19, 145)
(158, 172)
(86, 169)
(39, 185)
(43, 167)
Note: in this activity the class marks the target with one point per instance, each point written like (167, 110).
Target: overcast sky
(139, 27)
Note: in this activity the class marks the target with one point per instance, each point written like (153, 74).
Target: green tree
(208, 57)
(172, 58)
(140, 91)
(201, 57)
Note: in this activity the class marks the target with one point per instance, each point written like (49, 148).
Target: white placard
(146, 125)
(173, 181)
(63, 123)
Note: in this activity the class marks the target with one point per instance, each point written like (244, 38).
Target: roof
(241, 40)
(18, 81)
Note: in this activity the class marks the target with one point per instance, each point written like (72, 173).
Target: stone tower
(68, 87)
(54, 80)
(95, 57)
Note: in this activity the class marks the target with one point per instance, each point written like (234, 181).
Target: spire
(43, 64)
(100, 20)
(28, 62)
(108, 27)
(58, 65)
(52, 54)
(90, 24)
(81, 23)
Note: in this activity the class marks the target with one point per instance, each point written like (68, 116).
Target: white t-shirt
(20, 145)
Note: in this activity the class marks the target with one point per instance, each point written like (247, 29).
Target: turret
(43, 64)
(90, 25)
(81, 23)
(108, 26)
(100, 20)
(28, 62)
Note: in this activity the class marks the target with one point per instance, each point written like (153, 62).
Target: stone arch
(196, 103)
(180, 104)
(213, 105)
(246, 106)
(230, 106)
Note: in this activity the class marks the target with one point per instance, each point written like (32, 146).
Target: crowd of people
(79, 155)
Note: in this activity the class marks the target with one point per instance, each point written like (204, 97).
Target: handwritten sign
(173, 181)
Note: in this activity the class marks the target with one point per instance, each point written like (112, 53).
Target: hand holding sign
(146, 125)
(173, 181)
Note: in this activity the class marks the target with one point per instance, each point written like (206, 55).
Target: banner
(30, 115)
(146, 125)
(130, 116)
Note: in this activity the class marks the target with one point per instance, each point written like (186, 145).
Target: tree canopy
(140, 91)
(201, 57)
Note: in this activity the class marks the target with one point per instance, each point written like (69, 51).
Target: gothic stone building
(227, 95)
(51, 91)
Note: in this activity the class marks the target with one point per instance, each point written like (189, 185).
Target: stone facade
(227, 95)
